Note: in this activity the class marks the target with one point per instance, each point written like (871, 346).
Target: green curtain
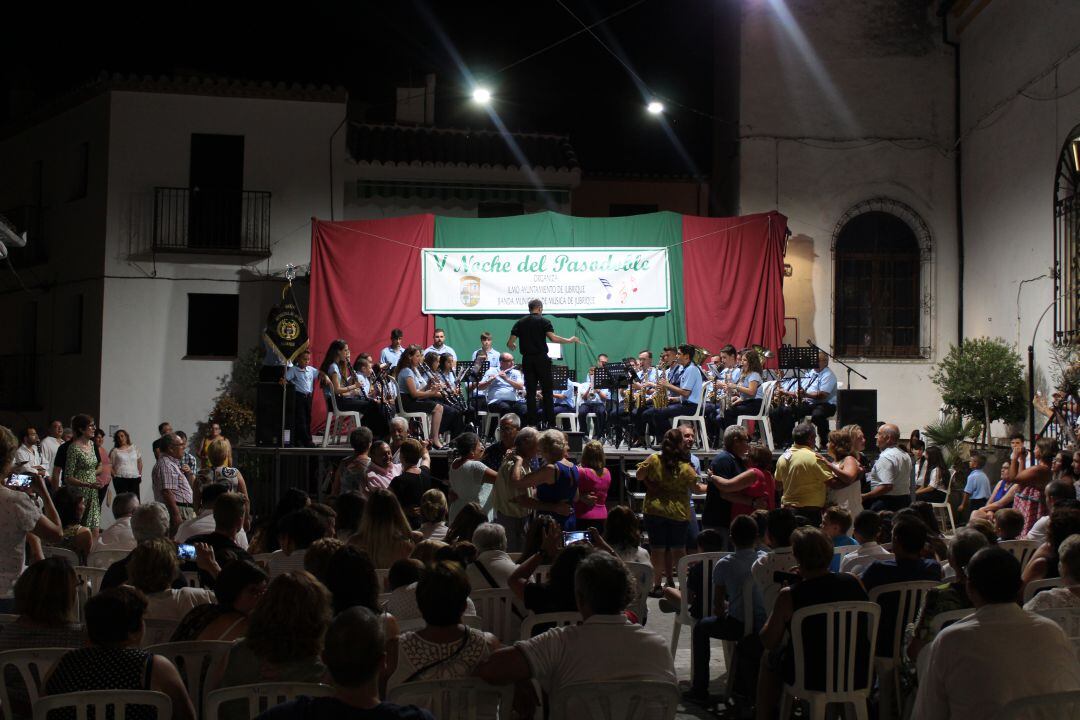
(617, 335)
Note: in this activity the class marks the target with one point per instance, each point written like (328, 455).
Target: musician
(390, 356)
(601, 360)
(645, 380)
(447, 370)
(502, 385)
(536, 332)
(438, 344)
(419, 394)
(376, 402)
(593, 400)
(716, 393)
(486, 351)
(747, 390)
(683, 385)
(302, 376)
(565, 399)
(818, 401)
(338, 377)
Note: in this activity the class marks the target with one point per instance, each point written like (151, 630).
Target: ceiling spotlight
(655, 107)
(481, 95)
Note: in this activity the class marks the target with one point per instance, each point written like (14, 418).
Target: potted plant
(982, 379)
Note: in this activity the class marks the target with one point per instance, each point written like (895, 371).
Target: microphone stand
(838, 360)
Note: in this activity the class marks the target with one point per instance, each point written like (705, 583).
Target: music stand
(797, 359)
(560, 375)
(613, 377)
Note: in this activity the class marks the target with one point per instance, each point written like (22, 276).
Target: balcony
(213, 224)
(31, 220)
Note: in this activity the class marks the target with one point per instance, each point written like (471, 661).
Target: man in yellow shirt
(802, 477)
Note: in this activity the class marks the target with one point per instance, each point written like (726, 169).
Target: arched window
(1067, 240)
(880, 291)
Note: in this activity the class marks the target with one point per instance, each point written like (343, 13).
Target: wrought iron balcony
(214, 222)
(31, 220)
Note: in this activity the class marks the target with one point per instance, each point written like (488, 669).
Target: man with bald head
(890, 478)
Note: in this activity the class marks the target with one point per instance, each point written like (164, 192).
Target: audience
(977, 488)
(492, 567)
(317, 557)
(45, 597)
(384, 532)
(153, 569)
(228, 514)
(465, 523)
(414, 481)
(70, 504)
(238, 589)
(433, 514)
(556, 594)
(865, 528)
(779, 558)
(203, 523)
(594, 481)
(908, 540)
(1008, 524)
(966, 676)
(814, 585)
(1055, 492)
(148, 522)
(802, 477)
(355, 656)
(622, 531)
(113, 660)
(1031, 481)
(890, 478)
(1045, 563)
(835, 523)
(510, 513)
(218, 453)
(352, 580)
(1067, 596)
(265, 537)
(118, 536)
(350, 509)
(445, 648)
(351, 473)
(296, 532)
(605, 647)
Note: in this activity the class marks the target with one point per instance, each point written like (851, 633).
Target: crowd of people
(320, 592)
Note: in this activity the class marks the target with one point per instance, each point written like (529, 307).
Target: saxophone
(660, 397)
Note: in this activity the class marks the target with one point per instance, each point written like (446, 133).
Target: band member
(645, 382)
(418, 396)
(683, 386)
(565, 398)
(502, 386)
(601, 360)
(376, 404)
(390, 356)
(747, 390)
(302, 376)
(818, 401)
(438, 344)
(593, 400)
(347, 393)
(486, 351)
(536, 332)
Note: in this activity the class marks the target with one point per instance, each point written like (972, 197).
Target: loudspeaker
(268, 399)
(858, 407)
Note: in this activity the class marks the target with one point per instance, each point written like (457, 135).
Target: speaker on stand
(858, 407)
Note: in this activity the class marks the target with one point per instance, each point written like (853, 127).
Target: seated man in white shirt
(999, 654)
(866, 527)
(296, 532)
(606, 646)
(118, 536)
(203, 522)
(780, 558)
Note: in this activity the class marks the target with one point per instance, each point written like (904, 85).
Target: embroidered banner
(471, 281)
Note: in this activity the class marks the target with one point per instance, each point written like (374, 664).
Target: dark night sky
(576, 88)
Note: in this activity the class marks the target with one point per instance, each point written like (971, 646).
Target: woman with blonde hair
(556, 482)
(845, 489)
(384, 531)
(218, 453)
(747, 390)
(152, 568)
(433, 514)
(594, 481)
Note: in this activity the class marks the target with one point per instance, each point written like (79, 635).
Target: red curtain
(733, 271)
(365, 281)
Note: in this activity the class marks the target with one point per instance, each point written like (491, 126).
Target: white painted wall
(818, 84)
(145, 378)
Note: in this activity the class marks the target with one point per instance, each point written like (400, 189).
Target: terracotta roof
(407, 145)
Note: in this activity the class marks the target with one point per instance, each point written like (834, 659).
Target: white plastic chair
(335, 418)
(698, 421)
(157, 631)
(1035, 586)
(423, 418)
(91, 577)
(487, 419)
(1022, 550)
(194, 661)
(940, 621)
(705, 592)
(101, 700)
(32, 665)
(571, 419)
(105, 558)
(643, 580)
(762, 417)
(843, 643)
(625, 700)
(261, 696)
(943, 513)
(458, 699)
(52, 551)
(496, 609)
(909, 600)
(1055, 706)
(558, 619)
(1069, 621)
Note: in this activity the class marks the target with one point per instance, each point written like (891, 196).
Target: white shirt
(279, 563)
(125, 463)
(175, 603)
(497, 563)
(999, 654)
(30, 455)
(858, 560)
(49, 446)
(203, 524)
(117, 536)
(605, 647)
(780, 559)
(1040, 530)
(18, 515)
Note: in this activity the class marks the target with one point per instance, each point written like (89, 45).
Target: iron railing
(31, 220)
(18, 381)
(1061, 422)
(232, 222)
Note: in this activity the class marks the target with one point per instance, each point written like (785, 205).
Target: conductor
(535, 332)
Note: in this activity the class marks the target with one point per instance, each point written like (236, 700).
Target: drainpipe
(958, 169)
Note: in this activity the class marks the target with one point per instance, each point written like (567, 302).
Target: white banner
(474, 281)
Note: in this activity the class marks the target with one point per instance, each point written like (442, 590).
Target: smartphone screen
(572, 536)
(19, 480)
(185, 552)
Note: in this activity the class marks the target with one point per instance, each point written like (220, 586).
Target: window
(881, 285)
(80, 172)
(1067, 240)
(212, 326)
(624, 209)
